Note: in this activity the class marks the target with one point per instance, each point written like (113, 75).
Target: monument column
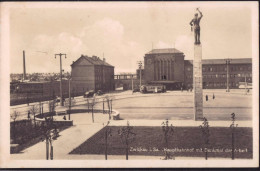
(197, 82)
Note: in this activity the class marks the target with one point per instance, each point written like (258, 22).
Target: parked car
(136, 90)
(58, 99)
(99, 93)
(89, 94)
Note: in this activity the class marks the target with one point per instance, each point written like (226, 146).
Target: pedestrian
(64, 117)
(213, 96)
(28, 115)
(206, 97)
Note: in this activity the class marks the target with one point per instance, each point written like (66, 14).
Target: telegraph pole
(60, 54)
(140, 71)
(245, 84)
(132, 84)
(228, 62)
(69, 97)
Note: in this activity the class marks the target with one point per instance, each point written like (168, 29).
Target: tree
(69, 103)
(127, 136)
(33, 110)
(167, 133)
(49, 134)
(93, 102)
(205, 135)
(52, 106)
(107, 134)
(109, 99)
(233, 126)
(14, 116)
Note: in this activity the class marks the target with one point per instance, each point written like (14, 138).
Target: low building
(92, 73)
(214, 72)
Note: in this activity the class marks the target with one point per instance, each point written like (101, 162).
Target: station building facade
(168, 67)
(92, 73)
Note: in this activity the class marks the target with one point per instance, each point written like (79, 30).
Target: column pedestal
(197, 83)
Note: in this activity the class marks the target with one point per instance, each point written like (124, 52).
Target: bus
(153, 89)
(244, 85)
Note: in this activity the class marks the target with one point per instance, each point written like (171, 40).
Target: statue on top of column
(195, 23)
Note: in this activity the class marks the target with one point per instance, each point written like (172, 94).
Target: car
(89, 94)
(99, 93)
(58, 99)
(136, 90)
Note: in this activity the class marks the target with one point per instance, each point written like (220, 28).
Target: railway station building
(169, 67)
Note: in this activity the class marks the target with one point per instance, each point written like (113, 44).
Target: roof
(94, 60)
(223, 61)
(162, 51)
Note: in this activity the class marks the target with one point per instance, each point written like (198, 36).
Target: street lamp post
(132, 84)
(227, 62)
(69, 97)
(140, 71)
(60, 54)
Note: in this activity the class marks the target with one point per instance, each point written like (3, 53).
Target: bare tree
(49, 134)
(93, 102)
(205, 134)
(109, 99)
(127, 136)
(233, 127)
(69, 103)
(14, 116)
(33, 110)
(168, 133)
(107, 134)
(52, 106)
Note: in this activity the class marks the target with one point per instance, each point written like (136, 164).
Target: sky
(123, 32)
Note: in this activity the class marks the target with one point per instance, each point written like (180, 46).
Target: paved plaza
(172, 105)
(176, 106)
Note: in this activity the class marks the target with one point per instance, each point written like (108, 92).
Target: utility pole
(245, 84)
(140, 71)
(69, 97)
(228, 62)
(132, 84)
(61, 97)
(24, 68)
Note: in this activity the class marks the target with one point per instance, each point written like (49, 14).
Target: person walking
(213, 96)
(29, 117)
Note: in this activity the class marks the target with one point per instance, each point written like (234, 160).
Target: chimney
(24, 69)
(94, 57)
(104, 59)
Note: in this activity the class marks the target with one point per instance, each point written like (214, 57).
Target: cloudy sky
(124, 32)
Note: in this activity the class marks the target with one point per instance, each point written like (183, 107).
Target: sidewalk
(69, 139)
(83, 129)
(179, 123)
